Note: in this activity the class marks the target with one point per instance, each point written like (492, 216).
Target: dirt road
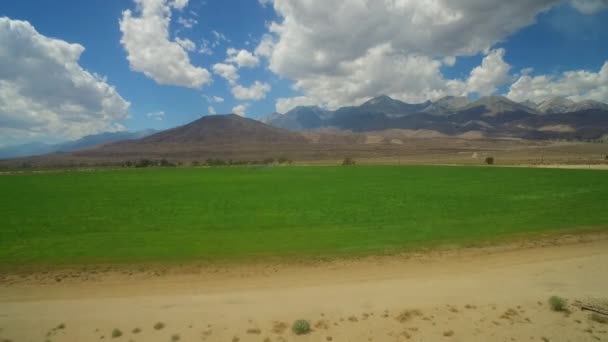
(490, 294)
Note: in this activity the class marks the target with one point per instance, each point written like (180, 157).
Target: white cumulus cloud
(589, 6)
(341, 53)
(44, 92)
(211, 110)
(145, 37)
(576, 85)
(240, 109)
(158, 116)
(242, 58)
(226, 71)
(257, 91)
(284, 105)
(492, 73)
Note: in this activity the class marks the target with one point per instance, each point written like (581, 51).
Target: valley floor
(484, 294)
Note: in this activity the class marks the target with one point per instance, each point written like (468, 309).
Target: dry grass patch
(599, 318)
(279, 327)
(254, 331)
(407, 315)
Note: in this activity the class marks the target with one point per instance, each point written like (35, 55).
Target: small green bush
(490, 160)
(301, 327)
(116, 333)
(558, 303)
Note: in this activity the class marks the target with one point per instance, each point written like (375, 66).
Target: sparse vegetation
(116, 333)
(490, 160)
(558, 303)
(61, 326)
(136, 331)
(255, 331)
(175, 337)
(159, 326)
(301, 327)
(279, 327)
(406, 315)
(348, 161)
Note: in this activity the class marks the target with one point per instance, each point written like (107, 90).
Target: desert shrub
(490, 160)
(301, 327)
(606, 157)
(348, 161)
(166, 163)
(558, 303)
(116, 333)
(159, 325)
(144, 163)
(175, 337)
(215, 162)
(596, 317)
(284, 160)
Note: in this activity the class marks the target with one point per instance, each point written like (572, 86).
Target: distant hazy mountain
(558, 105)
(447, 105)
(38, 148)
(495, 105)
(491, 115)
(391, 107)
(299, 119)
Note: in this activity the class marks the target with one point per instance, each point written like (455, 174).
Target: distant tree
(490, 160)
(195, 163)
(284, 160)
(144, 163)
(166, 163)
(214, 162)
(26, 165)
(268, 161)
(348, 161)
(128, 163)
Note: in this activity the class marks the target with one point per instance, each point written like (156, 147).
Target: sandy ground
(487, 294)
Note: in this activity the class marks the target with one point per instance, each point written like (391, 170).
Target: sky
(72, 68)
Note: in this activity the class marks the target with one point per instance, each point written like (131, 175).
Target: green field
(157, 215)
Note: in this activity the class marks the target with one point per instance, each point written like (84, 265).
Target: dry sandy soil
(485, 294)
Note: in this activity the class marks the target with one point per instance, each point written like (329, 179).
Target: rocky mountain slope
(493, 116)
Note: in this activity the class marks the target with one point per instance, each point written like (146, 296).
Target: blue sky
(321, 53)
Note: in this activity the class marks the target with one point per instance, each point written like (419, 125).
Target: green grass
(239, 213)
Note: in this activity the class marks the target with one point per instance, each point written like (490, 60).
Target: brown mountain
(217, 136)
(222, 130)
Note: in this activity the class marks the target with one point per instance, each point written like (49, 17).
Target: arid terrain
(232, 138)
(494, 293)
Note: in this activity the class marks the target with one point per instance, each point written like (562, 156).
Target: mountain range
(493, 116)
(39, 148)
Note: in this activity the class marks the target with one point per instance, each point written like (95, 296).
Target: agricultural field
(152, 215)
